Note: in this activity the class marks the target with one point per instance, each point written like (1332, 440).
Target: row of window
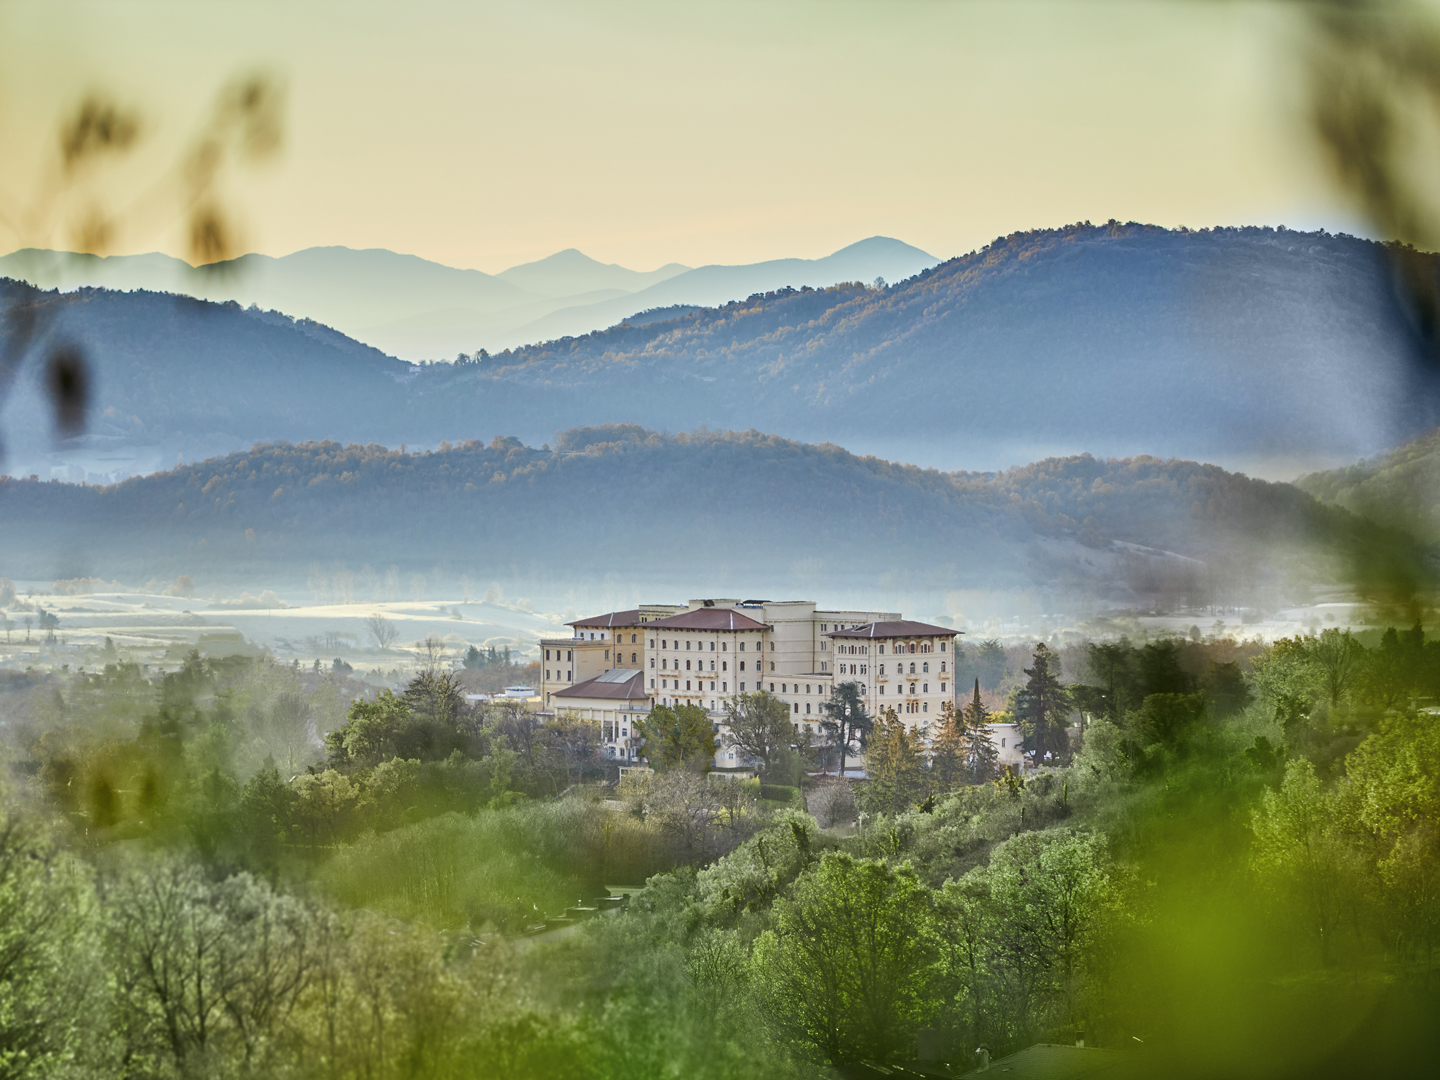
(557, 675)
(567, 653)
(668, 643)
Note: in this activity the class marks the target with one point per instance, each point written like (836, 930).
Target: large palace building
(616, 666)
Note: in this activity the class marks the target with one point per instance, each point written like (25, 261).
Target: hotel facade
(613, 668)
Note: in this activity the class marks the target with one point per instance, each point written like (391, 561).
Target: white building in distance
(614, 667)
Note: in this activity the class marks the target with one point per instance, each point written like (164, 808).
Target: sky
(489, 134)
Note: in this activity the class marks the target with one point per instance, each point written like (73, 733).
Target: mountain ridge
(420, 309)
(1127, 530)
(1227, 345)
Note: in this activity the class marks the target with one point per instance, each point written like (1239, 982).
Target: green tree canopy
(678, 738)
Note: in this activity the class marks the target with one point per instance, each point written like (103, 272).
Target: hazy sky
(488, 134)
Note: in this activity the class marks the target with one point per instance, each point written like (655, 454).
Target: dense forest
(1133, 530)
(1237, 345)
(240, 868)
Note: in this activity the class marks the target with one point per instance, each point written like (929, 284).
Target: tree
(1042, 705)
(851, 960)
(982, 760)
(51, 991)
(372, 732)
(48, 622)
(947, 760)
(382, 631)
(678, 738)
(990, 659)
(894, 766)
(1337, 657)
(1298, 849)
(847, 724)
(207, 971)
(760, 727)
(29, 622)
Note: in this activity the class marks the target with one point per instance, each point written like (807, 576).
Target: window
(712, 646)
(607, 654)
(942, 646)
(824, 666)
(742, 688)
(925, 668)
(742, 646)
(912, 669)
(807, 708)
(784, 688)
(742, 665)
(912, 688)
(807, 688)
(882, 688)
(687, 684)
(926, 688)
(772, 688)
(724, 665)
(547, 674)
(942, 688)
(882, 669)
(632, 658)
(567, 676)
(942, 665)
(664, 663)
(547, 657)
(797, 706)
(652, 643)
(712, 665)
(772, 665)
(1002, 743)
(568, 656)
(712, 687)
(652, 663)
(882, 650)
(687, 665)
(724, 646)
(772, 646)
(662, 643)
(632, 639)
(687, 643)
(724, 687)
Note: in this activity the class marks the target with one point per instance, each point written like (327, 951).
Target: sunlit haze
(644, 133)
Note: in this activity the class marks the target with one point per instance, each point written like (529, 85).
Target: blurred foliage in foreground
(1229, 866)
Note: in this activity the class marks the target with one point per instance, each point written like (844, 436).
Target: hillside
(745, 508)
(1402, 487)
(1261, 350)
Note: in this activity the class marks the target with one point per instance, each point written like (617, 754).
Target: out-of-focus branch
(245, 125)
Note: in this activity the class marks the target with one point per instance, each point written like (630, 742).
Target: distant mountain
(1401, 487)
(1263, 350)
(754, 509)
(710, 286)
(417, 309)
(570, 273)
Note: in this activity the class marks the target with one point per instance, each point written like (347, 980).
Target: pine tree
(982, 760)
(949, 764)
(1042, 705)
(894, 767)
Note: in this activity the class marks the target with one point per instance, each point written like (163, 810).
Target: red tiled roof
(899, 628)
(617, 684)
(710, 618)
(615, 618)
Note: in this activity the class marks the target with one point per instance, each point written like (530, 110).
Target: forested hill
(604, 501)
(1402, 487)
(1265, 348)
(189, 376)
